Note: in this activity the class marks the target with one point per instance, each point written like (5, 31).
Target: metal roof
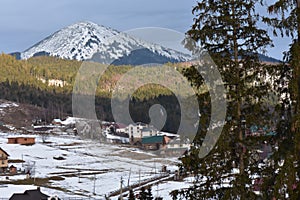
(153, 139)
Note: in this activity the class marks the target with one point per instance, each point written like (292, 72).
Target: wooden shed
(12, 169)
(21, 140)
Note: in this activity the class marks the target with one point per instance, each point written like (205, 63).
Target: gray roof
(30, 195)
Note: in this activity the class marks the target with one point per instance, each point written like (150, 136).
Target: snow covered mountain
(87, 40)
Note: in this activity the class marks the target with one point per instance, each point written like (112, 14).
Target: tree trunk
(298, 61)
(238, 104)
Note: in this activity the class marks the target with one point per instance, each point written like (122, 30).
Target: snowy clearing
(71, 167)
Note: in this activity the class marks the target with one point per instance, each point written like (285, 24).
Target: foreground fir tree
(281, 180)
(228, 31)
(145, 194)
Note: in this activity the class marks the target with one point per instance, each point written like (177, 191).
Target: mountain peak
(88, 25)
(84, 40)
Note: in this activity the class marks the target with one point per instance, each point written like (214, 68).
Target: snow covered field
(84, 169)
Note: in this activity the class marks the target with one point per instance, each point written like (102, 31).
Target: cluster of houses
(4, 161)
(144, 136)
(10, 170)
(138, 134)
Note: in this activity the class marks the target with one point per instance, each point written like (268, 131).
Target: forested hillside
(27, 81)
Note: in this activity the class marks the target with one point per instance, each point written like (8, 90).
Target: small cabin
(12, 169)
(21, 140)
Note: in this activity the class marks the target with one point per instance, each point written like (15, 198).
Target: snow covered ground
(6, 105)
(72, 167)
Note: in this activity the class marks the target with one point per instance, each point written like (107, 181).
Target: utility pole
(33, 172)
(139, 177)
(79, 176)
(94, 189)
(157, 190)
(129, 178)
(121, 189)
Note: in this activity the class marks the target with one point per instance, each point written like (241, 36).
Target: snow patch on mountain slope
(81, 41)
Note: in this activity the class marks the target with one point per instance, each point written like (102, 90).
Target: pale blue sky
(24, 23)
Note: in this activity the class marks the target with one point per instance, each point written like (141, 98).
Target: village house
(4, 160)
(177, 146)
(134, 132)
(178, 143)
(117, 139)
(115, 133)
(120, 128)
(57, 122)
(155, 142)
(21, 140)
(139, 130)
(148, 131)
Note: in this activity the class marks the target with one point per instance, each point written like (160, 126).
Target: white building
(139, 130)
(178, 143)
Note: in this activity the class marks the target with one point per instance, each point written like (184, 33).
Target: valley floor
(71, 167)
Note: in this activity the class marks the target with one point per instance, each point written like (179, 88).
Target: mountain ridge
(89, 41)
(82, 40)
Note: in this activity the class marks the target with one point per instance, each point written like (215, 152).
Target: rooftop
(153, 139)
(30, 195)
